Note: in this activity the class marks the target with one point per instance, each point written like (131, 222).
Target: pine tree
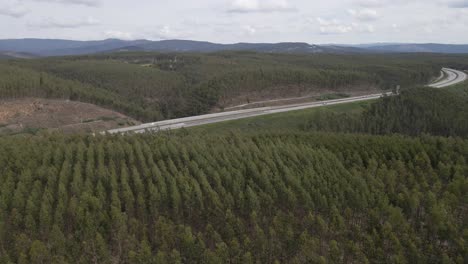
(38, 253)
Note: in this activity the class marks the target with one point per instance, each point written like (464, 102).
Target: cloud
(16, 11)
(395, 28)
(162, 32)
(385, 3)
(92, 3)
(334, 27)
(53, 23)
(363, 28)
(265, 6)
(165, 32)
(250, 30)
(371, 3)
(365, 14)
(119, 35)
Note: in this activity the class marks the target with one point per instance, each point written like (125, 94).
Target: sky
(232, 21)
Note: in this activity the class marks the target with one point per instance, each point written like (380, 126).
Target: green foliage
(441, 112)
(421, 110)
(284, 122)
(154, 86)
(267, 198)
(20, 82)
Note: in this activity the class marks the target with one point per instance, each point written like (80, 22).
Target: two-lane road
(452, 77)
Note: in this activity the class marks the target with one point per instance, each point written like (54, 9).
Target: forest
(441, 112)
(234, 197)
(156, 86)
(267, 198)
(386, 183)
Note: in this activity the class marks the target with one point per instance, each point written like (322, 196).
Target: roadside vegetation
(416, 111)
(421, 110)
(284, 122)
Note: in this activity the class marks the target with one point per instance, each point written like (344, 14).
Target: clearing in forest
(32, 114)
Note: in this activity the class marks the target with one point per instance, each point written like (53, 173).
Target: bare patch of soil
(33, 114)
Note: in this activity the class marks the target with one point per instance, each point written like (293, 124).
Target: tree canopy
(268, 198)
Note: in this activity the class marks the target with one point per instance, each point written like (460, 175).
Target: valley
(182, 85)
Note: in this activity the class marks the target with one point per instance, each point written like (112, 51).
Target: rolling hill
(151, 86)
(55, 47)
(58, 47)
(415, 48)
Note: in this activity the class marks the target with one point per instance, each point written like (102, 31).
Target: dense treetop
(441, 112)
(287, 198)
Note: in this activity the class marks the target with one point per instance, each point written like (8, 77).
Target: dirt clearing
(31, 115)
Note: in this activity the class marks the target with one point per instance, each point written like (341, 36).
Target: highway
(453, 77)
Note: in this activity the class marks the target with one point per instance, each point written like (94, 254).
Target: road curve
(453, 77)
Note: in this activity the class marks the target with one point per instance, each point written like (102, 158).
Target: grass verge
(281, 121)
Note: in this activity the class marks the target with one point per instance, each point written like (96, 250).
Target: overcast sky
(229, 21)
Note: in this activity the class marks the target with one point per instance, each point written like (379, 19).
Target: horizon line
(231, 43)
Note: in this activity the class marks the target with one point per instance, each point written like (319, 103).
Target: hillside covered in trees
(270, 198)
(442, 112)
(155, 86)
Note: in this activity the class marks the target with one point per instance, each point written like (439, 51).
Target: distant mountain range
(413, 48)
(52, 47)
(26, 48)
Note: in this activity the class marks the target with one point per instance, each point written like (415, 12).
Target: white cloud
(13, 10)
(119, 35)
(92, 3)
(54, 23)
(363, 28)
(334, 26)
(365, 14)
(428, 29)
(249, 30)
(229, 21)
(387, 3)
(165, 32)
(250, 6)
(371, 3)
